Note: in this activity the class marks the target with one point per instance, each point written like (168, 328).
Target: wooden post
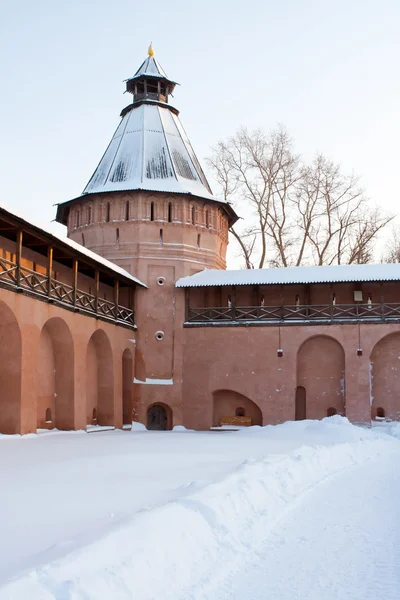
(49, 269)
(18, 256)
(96, 291)
(233, 304)
(116, 296)
(75, 284)
(187, 303)
(382, 302)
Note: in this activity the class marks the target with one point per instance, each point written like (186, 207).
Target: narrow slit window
(117, 234)
(207, 219)
(198, 242)
(78, 218)
(169, 212)
(193, 215)
(127, 210)
(108, 212)
(48, 415)
(152, 211)
(161, 236)
(83, 240)
(89, 214)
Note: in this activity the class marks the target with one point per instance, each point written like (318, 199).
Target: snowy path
(305, 510)
(340, 541)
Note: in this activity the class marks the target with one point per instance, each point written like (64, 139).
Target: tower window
(89, 214)
(161, 236)
(169, 212)
(127, 210)
(198, 242)
(152, 211)
(193, 215)
(207, 218)
(108, 212)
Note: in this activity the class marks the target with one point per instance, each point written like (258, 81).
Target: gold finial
(150, 51)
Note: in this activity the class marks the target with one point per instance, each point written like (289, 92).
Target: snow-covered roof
(293, 275)
(150, 151)
(74, 245)
(151, 67)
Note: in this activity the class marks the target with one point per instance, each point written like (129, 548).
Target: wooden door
(300, 411)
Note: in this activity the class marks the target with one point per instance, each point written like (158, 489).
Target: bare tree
(392, 249)
(294, 213)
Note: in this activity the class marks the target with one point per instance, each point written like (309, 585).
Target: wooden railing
(23, 279)
(286, 314)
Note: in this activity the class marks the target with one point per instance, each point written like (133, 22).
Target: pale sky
(328, 70)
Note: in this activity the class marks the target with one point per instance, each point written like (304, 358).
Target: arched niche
(55, 372)
(127, 386)
(385, 378)
(99, 380)
(320, 378)
(10, 371)
(227, 402)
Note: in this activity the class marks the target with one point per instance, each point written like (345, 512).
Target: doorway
(158, 418)
(300, 410)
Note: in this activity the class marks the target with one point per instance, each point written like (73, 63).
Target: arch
(385, 377)
(55, 373)
(320, 372)
(99, 379)
(226, 402)
(159, 417)
(10, 371)
(127, 386)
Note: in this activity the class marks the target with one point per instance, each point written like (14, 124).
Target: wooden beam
(75, 283)
(18, 255)
(96, 290)
(116, 296)
(49, 268)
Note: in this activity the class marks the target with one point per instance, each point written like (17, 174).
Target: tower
(149, 208)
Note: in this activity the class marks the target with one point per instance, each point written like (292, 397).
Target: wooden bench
(238, 421)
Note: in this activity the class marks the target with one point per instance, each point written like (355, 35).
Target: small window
(48, 415)
(240, 412)
(161, 236)
(331, 411)
(127, 210)
(207, 218)
(198, 242)
(152, 211)
(89, 214)
(117, 234)
(108, 212)
(193, 215)
(83, 240)
(380, 412)
(78, 218)
(169, 212)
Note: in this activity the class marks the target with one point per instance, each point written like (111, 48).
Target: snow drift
(177, 545)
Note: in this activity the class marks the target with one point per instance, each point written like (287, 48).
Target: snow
(294, 511)
(150, 381)
(150, 151)
(292, 275)
(76, 247)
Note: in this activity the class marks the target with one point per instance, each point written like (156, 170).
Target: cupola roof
(150, 150)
